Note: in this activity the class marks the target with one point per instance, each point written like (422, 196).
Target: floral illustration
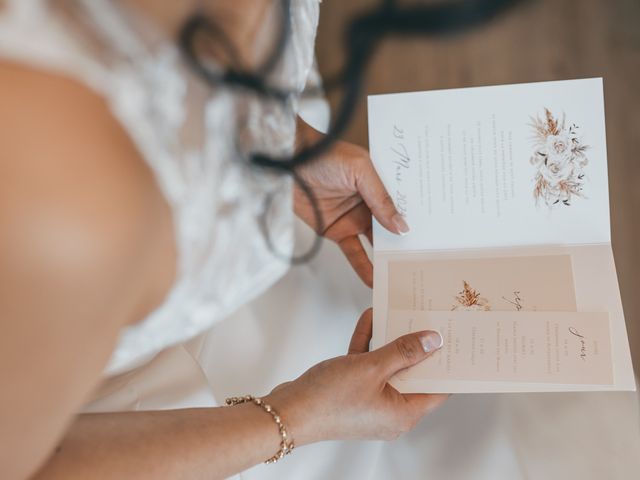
(470, 299)
(559, 159)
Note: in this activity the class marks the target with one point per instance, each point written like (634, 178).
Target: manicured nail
(400, 224)
(431, 341)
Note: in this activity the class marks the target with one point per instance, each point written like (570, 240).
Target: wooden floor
(540, 40)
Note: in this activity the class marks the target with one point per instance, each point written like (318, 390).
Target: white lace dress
(187, 132)
(220, 332)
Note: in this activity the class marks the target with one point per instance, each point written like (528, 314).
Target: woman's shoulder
(85, 248)
(75, 195)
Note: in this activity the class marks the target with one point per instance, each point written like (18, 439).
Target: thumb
(407, 351)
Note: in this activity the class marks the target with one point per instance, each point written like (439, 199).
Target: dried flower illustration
(559, 158)
(470, 299)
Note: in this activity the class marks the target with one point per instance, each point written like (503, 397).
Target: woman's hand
(348, 191)
(349, 398)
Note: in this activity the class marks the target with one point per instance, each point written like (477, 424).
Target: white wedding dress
(237, 320)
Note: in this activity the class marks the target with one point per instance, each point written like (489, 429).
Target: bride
(132, 223)
(144, 252)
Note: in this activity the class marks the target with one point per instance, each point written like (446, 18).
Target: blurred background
(535, 41)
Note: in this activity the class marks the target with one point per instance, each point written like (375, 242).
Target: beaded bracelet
(286, 445)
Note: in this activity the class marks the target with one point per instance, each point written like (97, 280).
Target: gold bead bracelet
(286, 444)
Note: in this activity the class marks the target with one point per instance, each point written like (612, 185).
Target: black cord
(362, 37)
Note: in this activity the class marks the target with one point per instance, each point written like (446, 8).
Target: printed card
(509, 165)
(528, 347)
(484, 284)
(509, 256)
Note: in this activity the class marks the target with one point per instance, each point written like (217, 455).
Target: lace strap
(30, 35)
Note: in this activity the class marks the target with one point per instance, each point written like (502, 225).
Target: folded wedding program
(509, 254)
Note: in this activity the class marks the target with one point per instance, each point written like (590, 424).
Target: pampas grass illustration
(470, 299)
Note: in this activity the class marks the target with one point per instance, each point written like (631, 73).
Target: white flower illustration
(559, 159)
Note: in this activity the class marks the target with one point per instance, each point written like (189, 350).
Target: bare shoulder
(74, 191)
(86, 246)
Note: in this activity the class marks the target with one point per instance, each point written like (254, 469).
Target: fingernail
(431, 341)
(400, 224)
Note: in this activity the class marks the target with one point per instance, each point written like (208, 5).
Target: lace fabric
(188, 134)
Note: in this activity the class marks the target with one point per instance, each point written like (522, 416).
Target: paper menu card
(506, 193)
(563, 348)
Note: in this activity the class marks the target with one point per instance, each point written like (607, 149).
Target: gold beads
(286, 447)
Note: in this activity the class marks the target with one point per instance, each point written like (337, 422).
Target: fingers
(345, 231)
(362, 333)
(369, 234)
(407, 351)
(356, 254)
(378, 200)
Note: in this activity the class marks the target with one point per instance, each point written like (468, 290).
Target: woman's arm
(193, 443)
(342, 398)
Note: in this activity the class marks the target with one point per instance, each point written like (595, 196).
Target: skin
(349, 191)
(87, 248)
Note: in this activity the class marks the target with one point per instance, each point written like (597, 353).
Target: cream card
(505, 190)
(528, 347)
(484, 284)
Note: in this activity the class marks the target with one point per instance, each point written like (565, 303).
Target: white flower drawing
(560, 160)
